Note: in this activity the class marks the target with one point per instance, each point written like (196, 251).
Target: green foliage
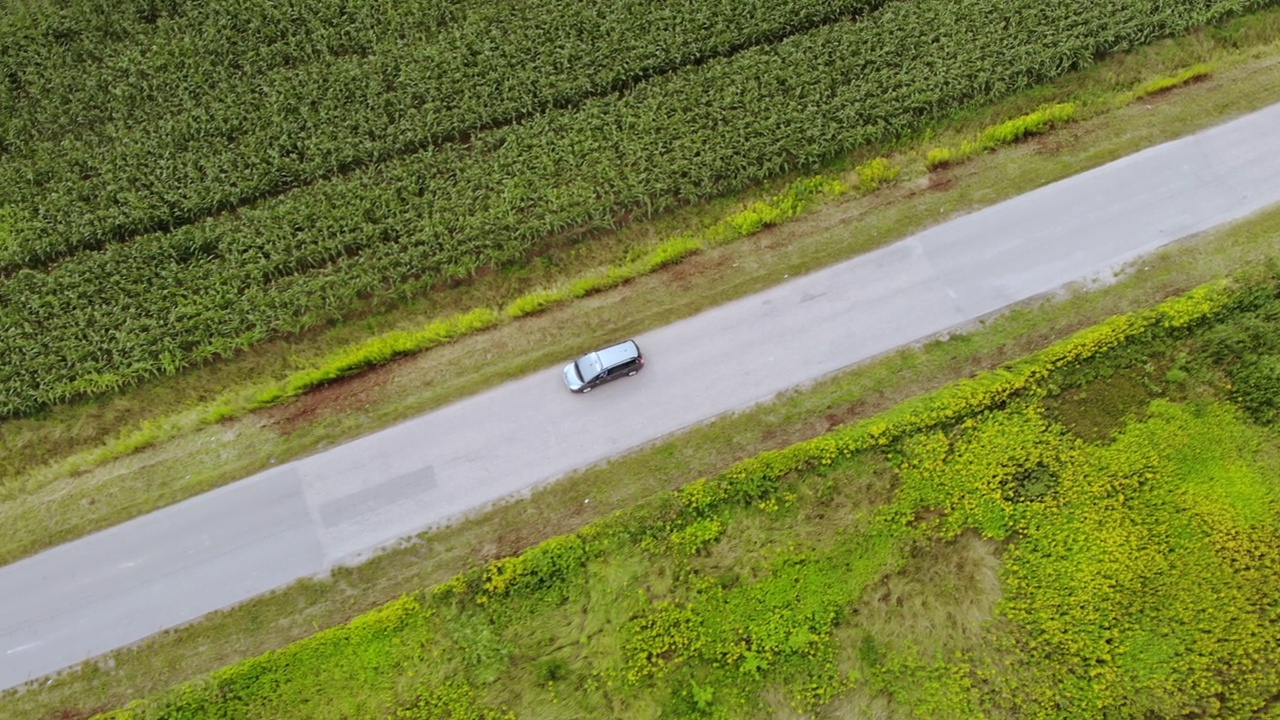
(986, 488)
(1006, 133)
(1123, 596)
(10, 227)
(311, 676)
(940, 157)
(1095, 406)
(1257, 387)
(1115, 552)
(1246, 348)
(379, 223)
(454, 700)
(665, 635)
(549, 670)
(793, 199)
(379, 351)
(1162, 84)
(545, 566)
(935, 689)
(482, 652)
(1030, 124)
(534, 302)
(777, 627)
(875, 173)
(702, 696)
(696, 536)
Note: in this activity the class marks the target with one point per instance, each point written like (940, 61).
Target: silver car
(602, 366)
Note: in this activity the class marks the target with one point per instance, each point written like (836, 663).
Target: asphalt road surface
(120, 585)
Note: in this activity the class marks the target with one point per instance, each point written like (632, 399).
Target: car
(602, 366)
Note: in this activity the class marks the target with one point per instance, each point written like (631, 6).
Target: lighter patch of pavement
(115, 587)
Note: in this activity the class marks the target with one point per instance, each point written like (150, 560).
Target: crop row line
(177, 153)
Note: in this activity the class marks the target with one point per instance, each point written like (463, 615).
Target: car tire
(632, 373)
(586, 390)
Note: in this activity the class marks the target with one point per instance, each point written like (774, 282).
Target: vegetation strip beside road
(1151, 434)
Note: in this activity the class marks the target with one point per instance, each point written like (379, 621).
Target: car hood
(571, 379)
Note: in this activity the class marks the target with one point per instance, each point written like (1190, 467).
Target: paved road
(115, 587)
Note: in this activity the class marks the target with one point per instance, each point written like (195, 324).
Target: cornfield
(182, 180)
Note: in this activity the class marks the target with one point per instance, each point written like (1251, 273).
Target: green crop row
(160, 128)
(946, 447)
(1005, 133)
(1159, 85)
(100, 321)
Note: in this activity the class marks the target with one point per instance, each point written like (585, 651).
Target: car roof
(620, 353)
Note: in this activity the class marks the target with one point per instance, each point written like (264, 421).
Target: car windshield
(588, 366)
